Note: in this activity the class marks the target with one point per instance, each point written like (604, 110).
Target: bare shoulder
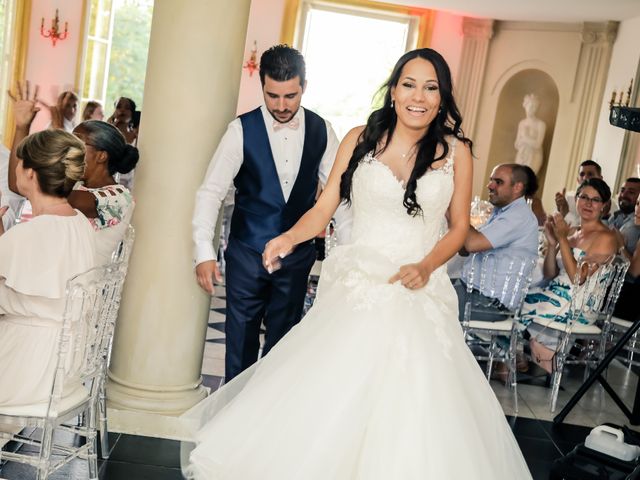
(462, 158)
(353, 135)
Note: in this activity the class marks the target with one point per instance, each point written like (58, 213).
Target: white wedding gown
(376, 382)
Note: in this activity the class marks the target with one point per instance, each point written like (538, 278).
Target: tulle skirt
(376, 382)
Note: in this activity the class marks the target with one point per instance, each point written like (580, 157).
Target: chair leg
(45, 452)
(513, 366)
(92, 456)
(104, 431)
(491, 355)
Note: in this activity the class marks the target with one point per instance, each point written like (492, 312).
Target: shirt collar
(517, 201)
(268, 118)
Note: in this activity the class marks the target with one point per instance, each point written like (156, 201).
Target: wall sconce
(624, 116)
(252, 64)
(54, 32)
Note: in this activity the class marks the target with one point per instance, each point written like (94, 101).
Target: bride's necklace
(406, 154)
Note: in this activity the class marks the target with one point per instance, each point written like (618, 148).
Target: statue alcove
(510, 111)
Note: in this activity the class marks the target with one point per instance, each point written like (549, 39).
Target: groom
(275, 155)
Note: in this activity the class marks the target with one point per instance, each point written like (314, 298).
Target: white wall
(624, 63)
(53, 68)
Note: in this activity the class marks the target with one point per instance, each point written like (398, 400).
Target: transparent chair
(506, 280)
(594, 292)
(92, 300)
(119, 258)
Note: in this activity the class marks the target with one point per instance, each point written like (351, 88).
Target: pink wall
(53, 68)
(265, 22)
(447, 39)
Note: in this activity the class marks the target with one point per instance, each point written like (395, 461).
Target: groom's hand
(205, 273)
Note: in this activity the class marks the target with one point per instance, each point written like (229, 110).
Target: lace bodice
(381, 221)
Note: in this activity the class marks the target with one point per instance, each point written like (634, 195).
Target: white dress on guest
(376, 382)
(36, 260)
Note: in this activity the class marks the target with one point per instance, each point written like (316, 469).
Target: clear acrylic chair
(506, 280)
(594, 292)
(120, 259)
(92, 299)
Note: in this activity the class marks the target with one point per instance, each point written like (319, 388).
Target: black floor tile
(565, 432)
(131, 471)
(527, 427)
(539, 469)
(221, 310)
(216, 340)
(146, 451)
(217, 326)
(538, 449)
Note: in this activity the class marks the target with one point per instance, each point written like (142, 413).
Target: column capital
(481, 28)
(599, 32)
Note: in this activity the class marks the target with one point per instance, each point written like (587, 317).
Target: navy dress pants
(254, 297)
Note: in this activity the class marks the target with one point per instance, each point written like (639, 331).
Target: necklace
(404, 155)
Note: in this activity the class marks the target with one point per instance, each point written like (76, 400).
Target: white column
(193, 74)
(588, 91)
(475, 47)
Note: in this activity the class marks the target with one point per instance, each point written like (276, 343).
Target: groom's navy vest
(260, 211)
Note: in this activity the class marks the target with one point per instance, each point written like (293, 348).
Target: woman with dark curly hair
(376, 382)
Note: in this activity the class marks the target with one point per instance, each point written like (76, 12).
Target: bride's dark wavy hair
(383, 121)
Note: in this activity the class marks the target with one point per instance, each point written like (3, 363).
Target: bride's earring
(392, 102)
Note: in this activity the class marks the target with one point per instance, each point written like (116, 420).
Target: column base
(154, 399)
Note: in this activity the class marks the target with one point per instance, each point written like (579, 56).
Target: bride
(376, 382)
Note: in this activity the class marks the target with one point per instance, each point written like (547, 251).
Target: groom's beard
(282, 114)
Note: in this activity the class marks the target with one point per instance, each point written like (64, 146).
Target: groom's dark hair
(282, 63)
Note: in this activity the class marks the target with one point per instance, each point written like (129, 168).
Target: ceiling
(535, 10)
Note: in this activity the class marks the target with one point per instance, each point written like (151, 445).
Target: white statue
(530, 135)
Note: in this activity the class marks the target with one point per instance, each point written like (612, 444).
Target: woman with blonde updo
(36, 260)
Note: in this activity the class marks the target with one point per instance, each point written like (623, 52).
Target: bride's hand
(276, 249)
(412, 276)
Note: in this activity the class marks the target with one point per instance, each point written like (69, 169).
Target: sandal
(542, 356)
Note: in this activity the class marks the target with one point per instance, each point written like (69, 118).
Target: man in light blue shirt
(511, 232)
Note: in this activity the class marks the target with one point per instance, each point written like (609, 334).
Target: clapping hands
(555, 228)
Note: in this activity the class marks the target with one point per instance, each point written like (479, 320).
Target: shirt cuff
(203, 253)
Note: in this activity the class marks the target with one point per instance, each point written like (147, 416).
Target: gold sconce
(54, 32)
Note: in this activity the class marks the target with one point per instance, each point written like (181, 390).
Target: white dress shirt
(286, 146)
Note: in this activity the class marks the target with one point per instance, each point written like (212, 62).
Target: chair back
(122, 253)
(92, 302)
(596, 287)
(505, 278)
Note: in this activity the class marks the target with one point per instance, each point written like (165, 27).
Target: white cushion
(621, 322)
(73, 399)
(577, 329)
(316, 269)
(502, 325)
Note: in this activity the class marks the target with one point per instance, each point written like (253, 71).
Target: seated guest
(594, 240)
(36, 260)
(108, 205)
(92, 111)
(512, 230)
(623, 219)
(536, 204)
(627, 305)
(123, 119)
(8, 199)
(566, 201)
